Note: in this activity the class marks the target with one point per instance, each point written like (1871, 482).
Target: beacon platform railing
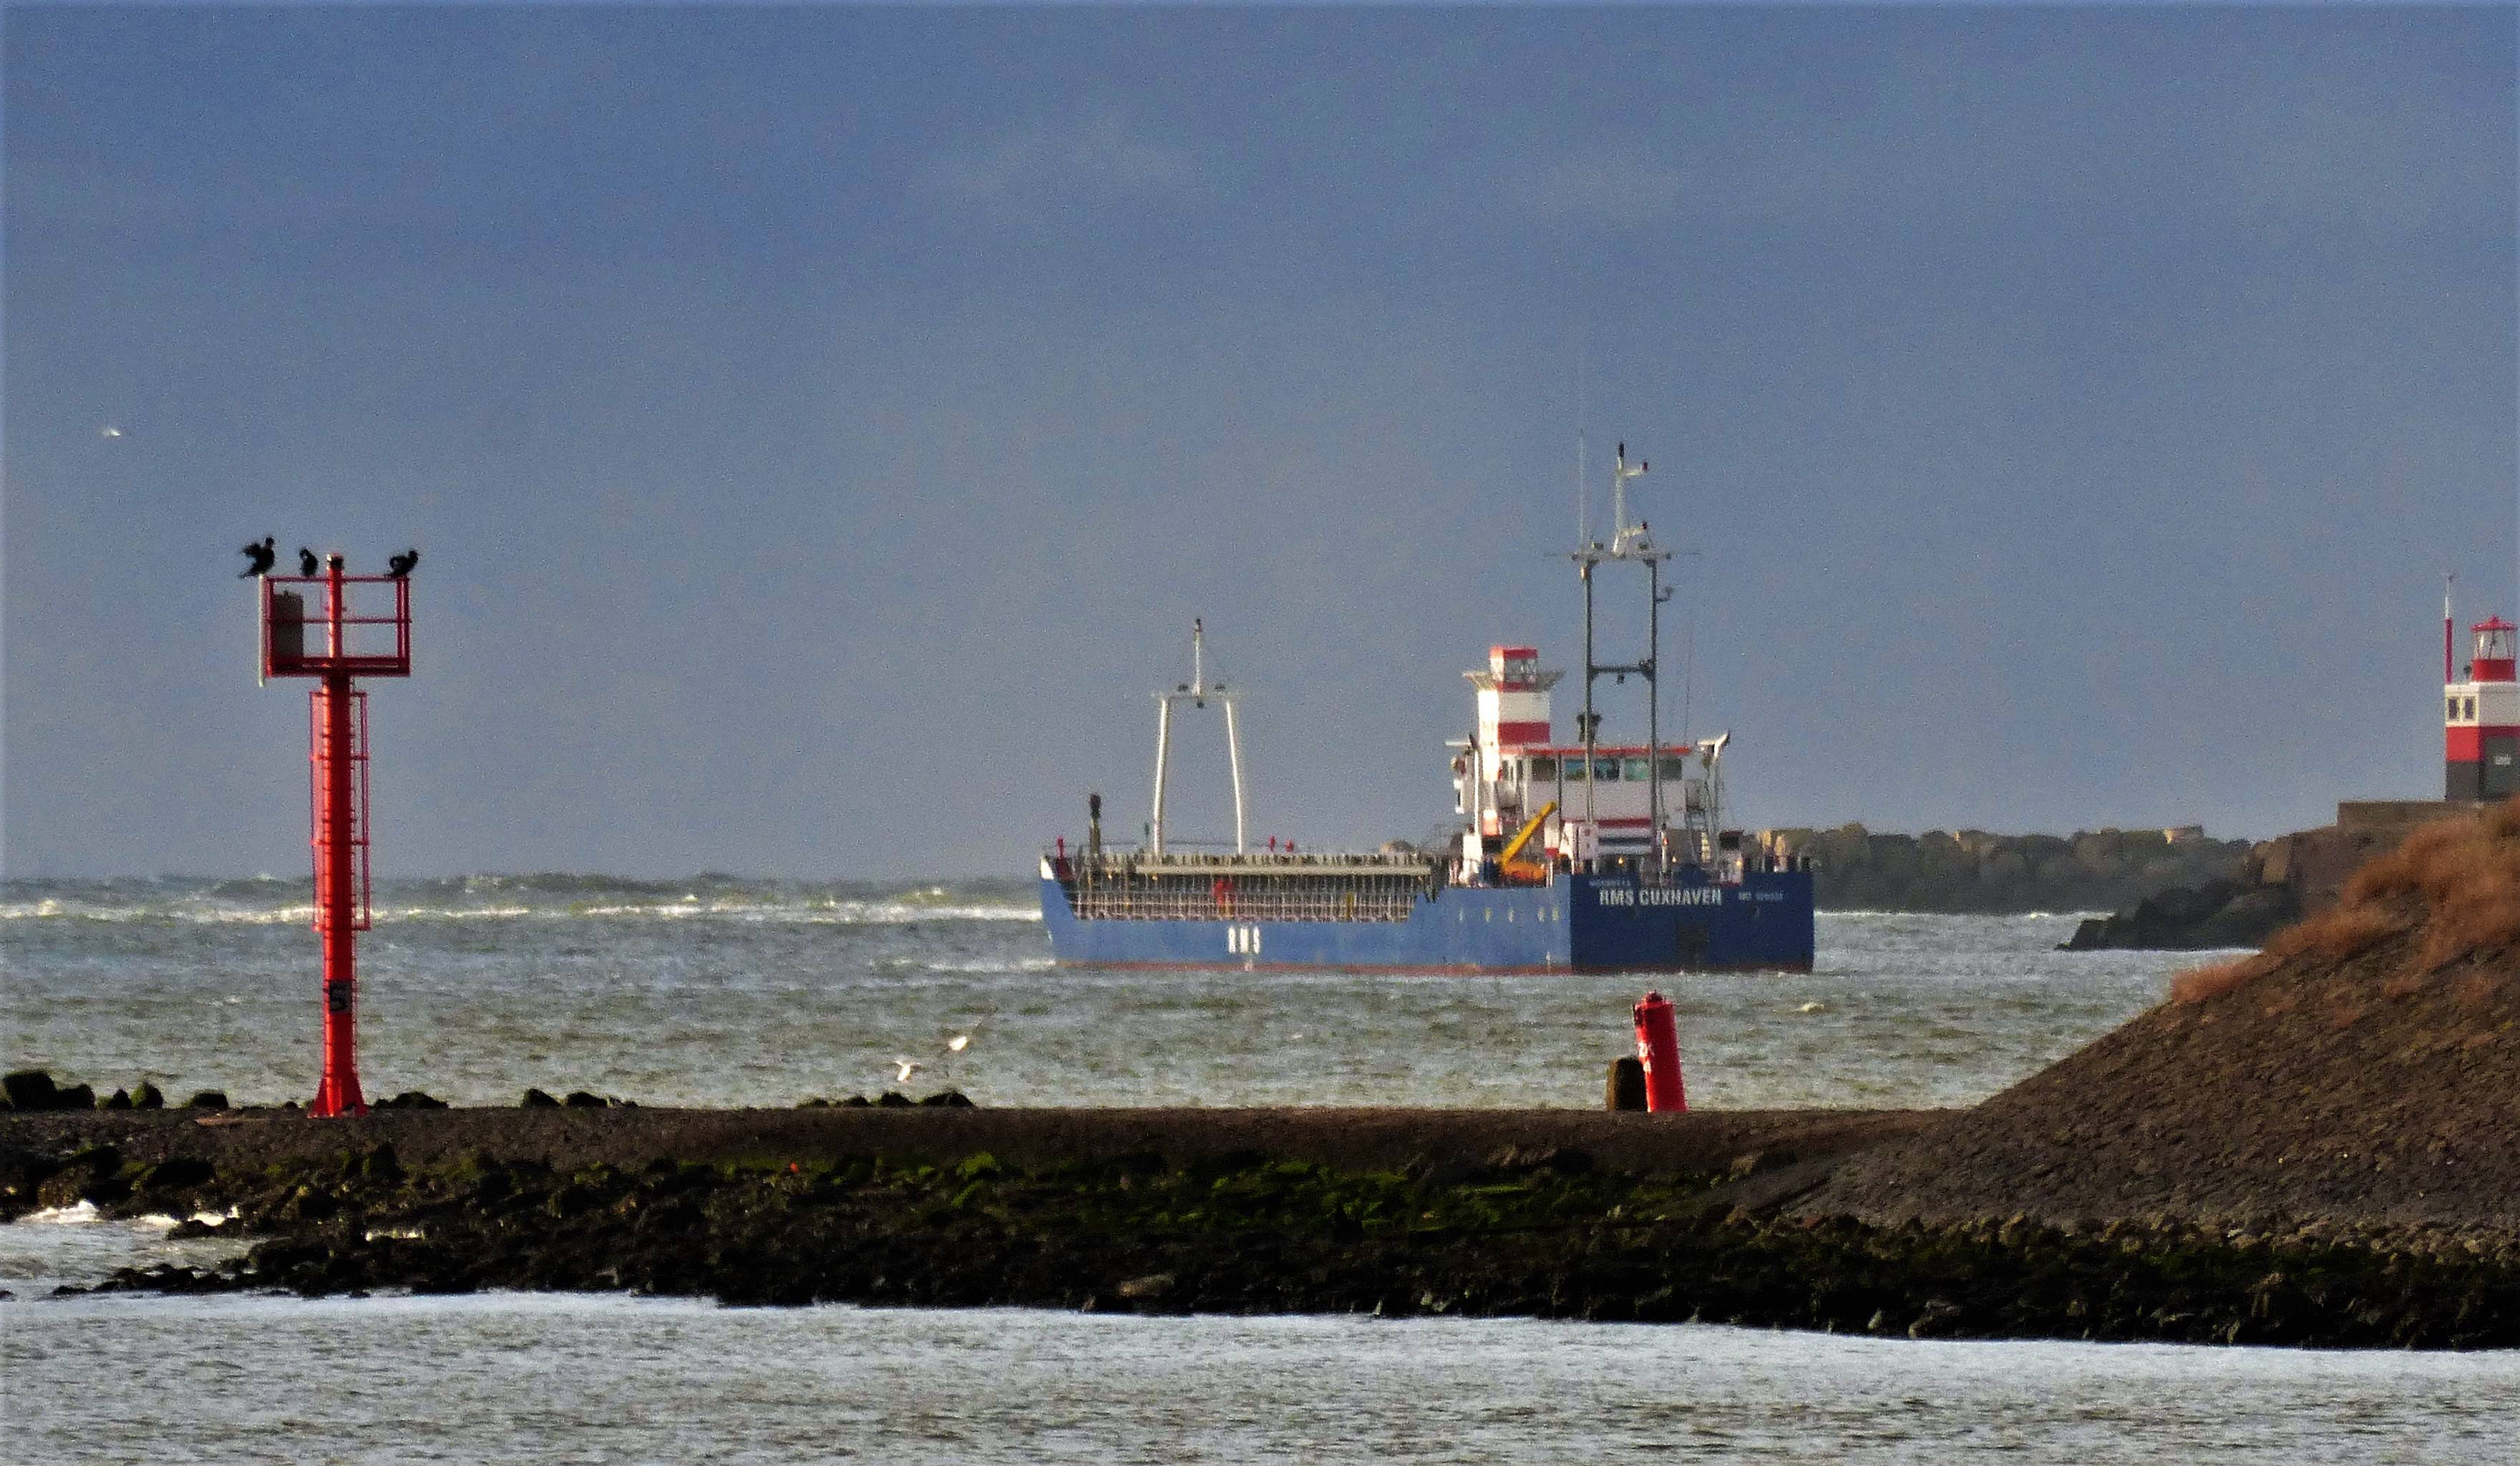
(320, 625)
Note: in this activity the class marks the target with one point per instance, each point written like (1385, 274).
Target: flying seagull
(307, 563)
(401, 565)
(903, 1069)
(259, 558)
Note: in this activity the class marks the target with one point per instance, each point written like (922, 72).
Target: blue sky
(822, 425)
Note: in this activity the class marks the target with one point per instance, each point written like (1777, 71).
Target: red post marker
(340, 909)
(368, 640)
(1659, 1048)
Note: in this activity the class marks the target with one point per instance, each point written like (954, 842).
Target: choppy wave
(974, 965)
(758, 1007)
(537, 897)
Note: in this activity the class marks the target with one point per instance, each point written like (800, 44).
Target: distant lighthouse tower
(2481, 719)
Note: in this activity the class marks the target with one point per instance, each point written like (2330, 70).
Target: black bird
(401, 565)
(307, 563)
(259, 558)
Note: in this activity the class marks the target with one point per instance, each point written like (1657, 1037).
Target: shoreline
(1567, 1214)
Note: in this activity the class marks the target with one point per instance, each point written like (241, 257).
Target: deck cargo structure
(1570, 857)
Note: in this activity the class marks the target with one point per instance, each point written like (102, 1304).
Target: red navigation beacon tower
(2481, 721)
(362, 627)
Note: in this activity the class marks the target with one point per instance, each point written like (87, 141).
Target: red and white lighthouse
(2481, 719)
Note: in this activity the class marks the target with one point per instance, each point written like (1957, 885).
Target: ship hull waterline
(1573, 924)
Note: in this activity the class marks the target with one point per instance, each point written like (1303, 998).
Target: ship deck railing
(1274, 886)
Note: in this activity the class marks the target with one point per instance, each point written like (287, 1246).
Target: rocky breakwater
(2276, 882)
(1972, 870)
(1576, 1216)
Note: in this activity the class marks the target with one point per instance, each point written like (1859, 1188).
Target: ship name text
(1660, 895)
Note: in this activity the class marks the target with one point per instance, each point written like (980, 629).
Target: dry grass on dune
(2453, 885)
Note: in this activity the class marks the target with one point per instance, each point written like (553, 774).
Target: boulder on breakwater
(2190, 918)
(35, 1091)
(32, 1089)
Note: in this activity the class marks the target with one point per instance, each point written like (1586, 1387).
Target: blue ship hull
(1575, 923)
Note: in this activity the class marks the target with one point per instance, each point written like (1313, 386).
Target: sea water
(725, 992)
(718, 991)
(527, 1378)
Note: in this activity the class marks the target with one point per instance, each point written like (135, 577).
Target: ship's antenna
(1583, 500)
(1688, 657)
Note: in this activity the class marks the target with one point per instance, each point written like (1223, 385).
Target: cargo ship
(1575, 856)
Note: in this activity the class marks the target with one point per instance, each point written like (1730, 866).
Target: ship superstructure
(1574, 855)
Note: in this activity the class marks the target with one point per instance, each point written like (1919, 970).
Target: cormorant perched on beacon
(307, 563)
(403, 565)
(259, 558)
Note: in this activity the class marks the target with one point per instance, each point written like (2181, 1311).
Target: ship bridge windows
(1544, 769)
(1605, 771)
(1675, 765)
(1638, 770)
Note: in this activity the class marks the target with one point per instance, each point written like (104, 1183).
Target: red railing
(358, 625)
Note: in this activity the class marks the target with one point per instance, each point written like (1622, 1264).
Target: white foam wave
(816, 912)
(811, 914)
(1025, 964)
(81, 1211)
(180, 913)
(1870, 913)
(892, 913)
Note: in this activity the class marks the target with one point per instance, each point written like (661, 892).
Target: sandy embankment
(2363, 1071)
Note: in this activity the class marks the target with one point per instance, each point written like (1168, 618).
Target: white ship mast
(1196, 691)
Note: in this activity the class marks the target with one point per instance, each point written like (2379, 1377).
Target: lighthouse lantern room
(2481, 719)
